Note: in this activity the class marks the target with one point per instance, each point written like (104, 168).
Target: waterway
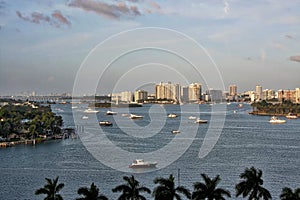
(245, 141)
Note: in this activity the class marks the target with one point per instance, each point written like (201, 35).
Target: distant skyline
(43, 43)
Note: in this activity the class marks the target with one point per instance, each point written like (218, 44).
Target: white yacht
(275, 120)
(85, 117)
(105, 123)
(172, 115)
(140, 163)
(133, 116)
(291, 116)
(89, 110)
(175, 131)
(109, 112)
(201, 121)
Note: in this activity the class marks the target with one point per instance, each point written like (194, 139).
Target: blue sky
(44, 42)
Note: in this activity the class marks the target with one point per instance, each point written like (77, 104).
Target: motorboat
(172, 115)
(201, 121)
(291, 116)
(133, 116)
(105, 123)
(84, 117)
(175, 131)
(192, 117)
(140, 163)
(240, 105)
(275, 120)
(109, 112)
(89, 110)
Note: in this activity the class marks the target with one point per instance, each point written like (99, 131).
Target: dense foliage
(275, 108)
(28, 121)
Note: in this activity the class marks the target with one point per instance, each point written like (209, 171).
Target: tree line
(28, 121)
(250, 187)
(275, 108)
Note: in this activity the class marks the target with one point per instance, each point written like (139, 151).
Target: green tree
(51, 189)
(208, 189)
(288, 194)
(131, 189)
(252, 185)
(91, 193)
(167, 190)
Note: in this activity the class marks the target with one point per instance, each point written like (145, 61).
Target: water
(245, 141)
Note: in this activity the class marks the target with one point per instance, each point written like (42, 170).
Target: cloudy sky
(44, 44)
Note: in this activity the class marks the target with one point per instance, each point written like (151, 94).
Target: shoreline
(270, 114)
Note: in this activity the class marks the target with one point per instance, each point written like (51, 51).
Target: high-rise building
(258, 90)
(140, 96)
(232, 90)
(215, 95)
(194, 92)
(168, 91)
(297, 95)
(126, 96)
(268, 94)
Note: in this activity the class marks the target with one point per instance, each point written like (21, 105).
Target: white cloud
(226, 7)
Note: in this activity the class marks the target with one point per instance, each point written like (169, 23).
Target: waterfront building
(258, 91)
(185, 94)
(140, 96)
(297, 95)
(168, 91)
(126, 96)
(268, 94)
(194, 92)
(232, 90)
(214, 95)
(232, 94)
(287, 95)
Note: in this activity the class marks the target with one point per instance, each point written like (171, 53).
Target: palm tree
(131, 190)
(252, 185)
(167, 191)
(51, 189)
(208, 189)
(91, 193)
(288, 194)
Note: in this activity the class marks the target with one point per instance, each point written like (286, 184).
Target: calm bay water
(245, 141)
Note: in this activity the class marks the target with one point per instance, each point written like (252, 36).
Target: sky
(100, 46)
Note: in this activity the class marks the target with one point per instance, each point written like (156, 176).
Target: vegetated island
(29, 123)
(275, 108)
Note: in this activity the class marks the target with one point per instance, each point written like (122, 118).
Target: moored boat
(172, 115)
(89, 110)
(275, 120)
(105, 123)
(85, 117)
(291, 116)
(201, 121)
(175, 131)
(140, 163)
(109, 112)
(133, 116)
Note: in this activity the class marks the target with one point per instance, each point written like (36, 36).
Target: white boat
(140, 163)
(175, 131)
(192, 117)
(240, 105)
(133, 116)
(85, 117)
(172, 115)
(275, 120)
(109, 112)
(291, 116)
(105, 123)
(89, 110)
(201, 121)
